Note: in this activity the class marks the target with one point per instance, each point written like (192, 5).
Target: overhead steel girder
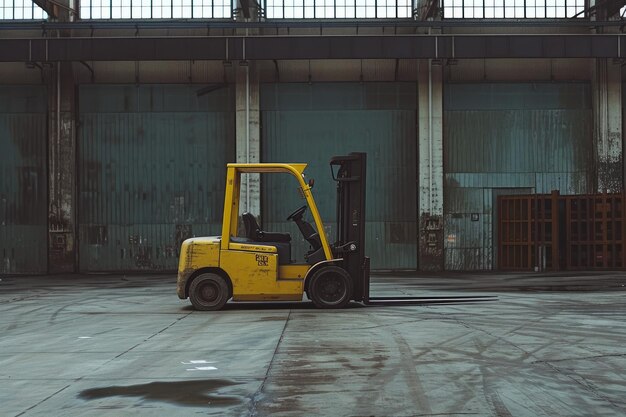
(47, 6)
(312, 47)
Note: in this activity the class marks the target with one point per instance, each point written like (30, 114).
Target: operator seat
(254, 232)
(281, 241)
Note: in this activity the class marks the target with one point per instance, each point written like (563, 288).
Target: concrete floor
(119, 345)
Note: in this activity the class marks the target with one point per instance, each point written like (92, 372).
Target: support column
(430, 165)
(607, 116)
(62, 213)
(248, 133)
(61, 170)
(248, 115)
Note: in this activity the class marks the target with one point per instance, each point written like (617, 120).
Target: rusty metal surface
(527, 232)
(312, 123)
(608, 126)
(151, 172)
(62, 171)
(23, 184)
(535, 136)
(595, 231)
(572, 232)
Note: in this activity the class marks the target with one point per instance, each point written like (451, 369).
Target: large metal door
(536, 136)
(312, 123)
(23, 180)
(151, 172)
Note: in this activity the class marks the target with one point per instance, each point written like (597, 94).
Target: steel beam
(268, 24)
(312, 47)
(47, 6)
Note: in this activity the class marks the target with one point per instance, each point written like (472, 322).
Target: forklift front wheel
(208, 292)
(330, 287)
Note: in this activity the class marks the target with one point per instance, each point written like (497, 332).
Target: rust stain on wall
(610, 176)
(431, 242)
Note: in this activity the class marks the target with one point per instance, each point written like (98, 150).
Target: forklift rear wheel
(208, 292)
(330, 287)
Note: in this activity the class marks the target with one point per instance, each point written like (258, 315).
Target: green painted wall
(527, 137)
(312, 123)
(23, 180)
(151, 172)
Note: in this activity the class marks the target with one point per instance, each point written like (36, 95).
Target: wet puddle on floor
(186, 393)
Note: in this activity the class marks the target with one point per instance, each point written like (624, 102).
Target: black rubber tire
(208, 292)
(330, 287)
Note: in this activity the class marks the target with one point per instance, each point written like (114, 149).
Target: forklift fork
(350, 176)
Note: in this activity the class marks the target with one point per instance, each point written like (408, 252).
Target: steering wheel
(297, 213)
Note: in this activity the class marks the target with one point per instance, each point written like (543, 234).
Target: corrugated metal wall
(514, 136)
(151, 172)
(312, 123)
(23, 179)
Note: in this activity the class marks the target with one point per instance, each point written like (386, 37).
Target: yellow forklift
(258, 266)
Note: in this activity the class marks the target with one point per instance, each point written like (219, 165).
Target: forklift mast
(350, 174)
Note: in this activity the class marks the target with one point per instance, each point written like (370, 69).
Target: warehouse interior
(467, 242)
(116, 123)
